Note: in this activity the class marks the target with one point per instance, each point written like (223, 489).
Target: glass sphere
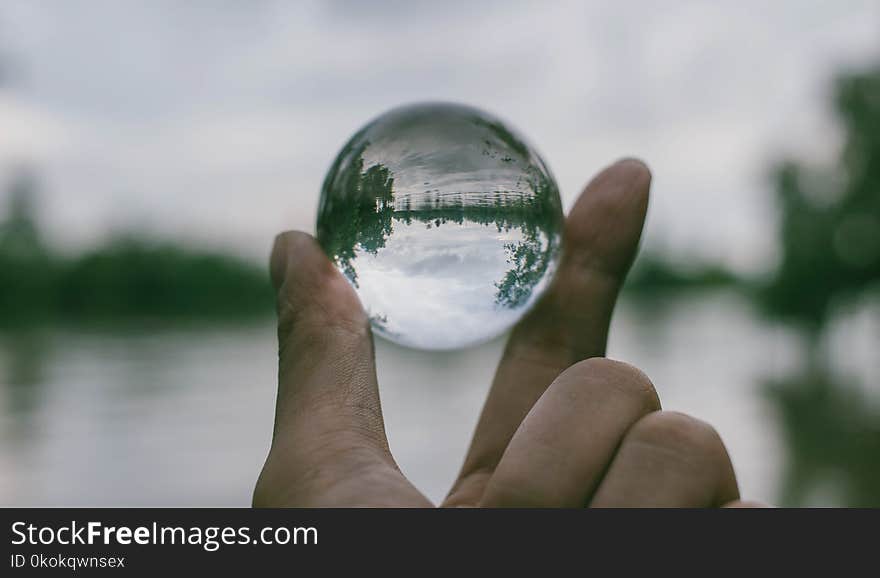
(444, 220)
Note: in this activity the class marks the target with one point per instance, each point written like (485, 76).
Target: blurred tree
(833, 436)
(657, 276)
(830, 220)
(26, 268)
(135, 278)
(830, 244)
(122, 279)
(19, 234)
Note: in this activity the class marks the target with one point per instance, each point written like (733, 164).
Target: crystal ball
(446, 222)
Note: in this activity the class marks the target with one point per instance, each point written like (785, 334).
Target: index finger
(570, 322)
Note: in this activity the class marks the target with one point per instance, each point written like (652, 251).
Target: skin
(562, 426)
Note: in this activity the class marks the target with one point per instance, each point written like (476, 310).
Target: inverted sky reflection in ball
(444, 220)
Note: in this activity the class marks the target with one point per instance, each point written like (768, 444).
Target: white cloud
(216, 122)
(30, 134)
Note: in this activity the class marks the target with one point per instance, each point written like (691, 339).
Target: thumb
(328, 401)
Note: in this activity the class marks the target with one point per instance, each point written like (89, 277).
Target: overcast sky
(216, 121)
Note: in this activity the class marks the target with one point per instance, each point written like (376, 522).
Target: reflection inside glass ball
(445, 221)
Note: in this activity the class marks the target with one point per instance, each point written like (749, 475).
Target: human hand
(562, 426)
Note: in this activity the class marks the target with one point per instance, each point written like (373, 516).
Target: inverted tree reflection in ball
(445, 221)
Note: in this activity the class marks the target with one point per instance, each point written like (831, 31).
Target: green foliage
(830, 218)
(360, 214)
(531, 256)
(833, 438)
(830, 239)
(657, 276)
(124, 278)
(130, 277)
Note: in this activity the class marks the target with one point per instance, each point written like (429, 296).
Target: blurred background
(149, 152)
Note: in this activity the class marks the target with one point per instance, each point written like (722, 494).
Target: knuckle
(681, 434)
(589, 368)
(622, 378)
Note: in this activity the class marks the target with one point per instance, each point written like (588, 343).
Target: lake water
(183, 416)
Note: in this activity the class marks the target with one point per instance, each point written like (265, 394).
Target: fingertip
(624, 183)
(309, 285)
(288, 247)
(634, 166)
(605, 224)
(639, 176)
(625, 178)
